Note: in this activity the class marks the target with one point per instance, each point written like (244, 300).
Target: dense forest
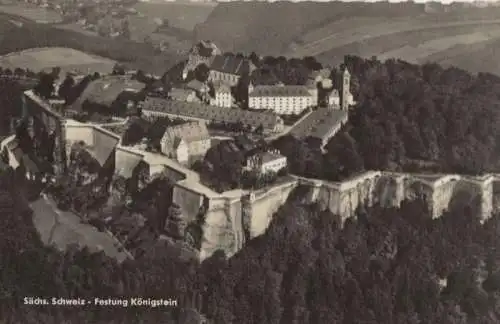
(409, 117)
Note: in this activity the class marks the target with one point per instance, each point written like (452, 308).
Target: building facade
(222, 96)
(186, 142)
(229, 69)
(267, 162)
(282, 99)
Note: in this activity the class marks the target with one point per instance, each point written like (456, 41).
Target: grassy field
(134, 55)
(181, 15)
(33, 13)
(38, 59)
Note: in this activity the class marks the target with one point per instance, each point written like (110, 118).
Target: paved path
(63, 228)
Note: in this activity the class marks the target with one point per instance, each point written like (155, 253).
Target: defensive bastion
(231, 220)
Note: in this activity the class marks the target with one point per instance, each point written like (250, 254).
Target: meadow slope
(331, 30)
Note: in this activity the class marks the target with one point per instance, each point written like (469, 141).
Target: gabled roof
(188, 132)
(267, 119)
(279, 91)
(231, 64)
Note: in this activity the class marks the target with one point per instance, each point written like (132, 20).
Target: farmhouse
(322, 124)
(282, 99)
(229, 69)
(269, 121)
(186, 142)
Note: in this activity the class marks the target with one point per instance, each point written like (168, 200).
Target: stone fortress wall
(229, 222)
(231, 218)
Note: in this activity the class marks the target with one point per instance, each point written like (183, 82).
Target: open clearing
(180, 15)
(36, 14)
(67, 59)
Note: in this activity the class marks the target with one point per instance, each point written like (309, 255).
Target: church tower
(345, 90)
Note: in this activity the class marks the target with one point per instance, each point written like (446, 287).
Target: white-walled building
(186, 141)
(282, 99)
(265, 162)
(222, 95)
(333, 98)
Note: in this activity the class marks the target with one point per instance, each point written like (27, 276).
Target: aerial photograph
(249, 162)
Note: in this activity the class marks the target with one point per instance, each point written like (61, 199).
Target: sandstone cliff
(230, 221)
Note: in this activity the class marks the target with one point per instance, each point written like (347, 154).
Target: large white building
(282, 99)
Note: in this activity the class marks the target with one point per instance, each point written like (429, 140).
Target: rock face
(229, 221)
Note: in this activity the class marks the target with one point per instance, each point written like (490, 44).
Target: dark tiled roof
(268, 120)
(231, 64)
(279, 91)
(319, 123)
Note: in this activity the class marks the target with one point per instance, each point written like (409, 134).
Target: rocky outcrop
(230, 221)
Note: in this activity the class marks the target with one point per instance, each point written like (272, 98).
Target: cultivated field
(181, 15)
(345, 32)
(459, 46)
(36, 14)
(422, 52)
(67, 59)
